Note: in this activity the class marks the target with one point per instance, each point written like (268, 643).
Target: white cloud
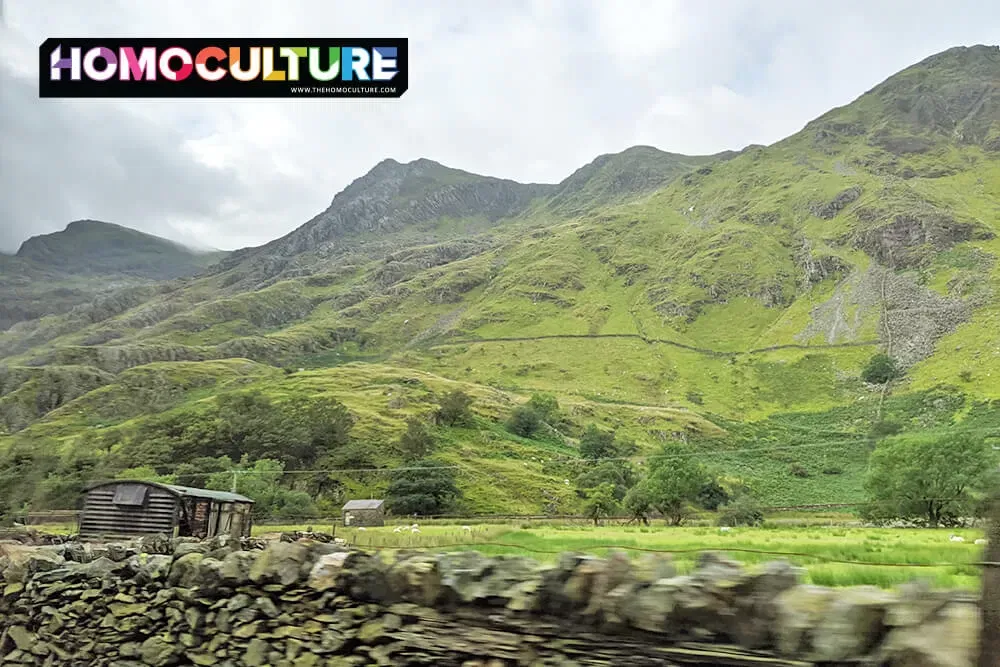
(529, 90)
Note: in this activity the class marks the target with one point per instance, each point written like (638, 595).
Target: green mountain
(728, 300)
(52, 273)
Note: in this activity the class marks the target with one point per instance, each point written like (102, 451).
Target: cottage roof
(222, 496)
(363, 504)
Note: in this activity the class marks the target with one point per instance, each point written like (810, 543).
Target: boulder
(852, 625)
(325, 572)
(652, 606)
(949, 639)
(184, 571)
(416, 578)
(282, 563)
(799, 610)
(21, 564)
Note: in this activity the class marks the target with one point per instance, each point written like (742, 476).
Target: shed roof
(363, 504)
(223, 496)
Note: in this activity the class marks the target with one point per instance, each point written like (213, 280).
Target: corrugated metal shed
(128, 508)
(363, 504)
(224, 496)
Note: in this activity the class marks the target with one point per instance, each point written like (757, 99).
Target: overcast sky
(522, 89)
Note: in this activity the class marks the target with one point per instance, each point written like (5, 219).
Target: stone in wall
(306, 602)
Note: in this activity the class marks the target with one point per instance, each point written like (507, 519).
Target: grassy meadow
(887, 554)
(886, 557)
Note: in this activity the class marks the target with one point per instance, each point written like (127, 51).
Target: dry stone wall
(305, 602)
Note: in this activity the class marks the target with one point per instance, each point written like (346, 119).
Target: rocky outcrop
(909, 239)
(829, 210)
(389, 198)
(305, 602)
(29, 393)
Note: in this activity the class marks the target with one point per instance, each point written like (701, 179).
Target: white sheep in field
(415, 526)
(725, 529)
(414, 530)
(361, 528)
(980, 542)
(956, 538)
(467, 528)
(397, 529)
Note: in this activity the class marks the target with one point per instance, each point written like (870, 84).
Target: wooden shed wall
(102, 517)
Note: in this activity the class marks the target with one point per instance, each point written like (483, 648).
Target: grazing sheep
(724, 529)
(956, 538)
(397, 529)
(414, 530)
(467, 528)
(361, 528)
(415, 526)
(980, 542)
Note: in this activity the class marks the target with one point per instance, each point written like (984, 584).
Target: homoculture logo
(223, 68)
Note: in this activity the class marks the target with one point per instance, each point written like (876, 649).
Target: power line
(716, 453)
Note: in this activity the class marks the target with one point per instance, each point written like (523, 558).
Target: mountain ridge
(742, 291)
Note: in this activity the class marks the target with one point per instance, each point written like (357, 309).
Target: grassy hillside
(53, 273)
(729, 300)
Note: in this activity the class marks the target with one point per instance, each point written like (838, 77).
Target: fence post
(989, 640)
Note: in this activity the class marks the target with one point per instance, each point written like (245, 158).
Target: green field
(913, 553)
(883, 557)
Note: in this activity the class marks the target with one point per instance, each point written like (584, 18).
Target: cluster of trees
(931, 479)
(427, 486)
(674, 484)
(188, 447)
(928, 478)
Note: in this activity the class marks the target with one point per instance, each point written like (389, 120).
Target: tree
(417, 441)
(933, 478)
(743, 510)
(596, 443)
(261, 482)
(618, 473)
(425, 488)
(453, 409)
(524, 421)
(638, 503)
(600, 502)
(881, 368)
(315, 426)
(674, 481)
(545, 406)
(712, 495)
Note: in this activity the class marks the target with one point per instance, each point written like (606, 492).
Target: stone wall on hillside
(304, 602)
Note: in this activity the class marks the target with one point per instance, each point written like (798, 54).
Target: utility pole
(989, 638)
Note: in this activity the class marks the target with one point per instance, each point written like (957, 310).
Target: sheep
(414, 530)
(724, 529)
(397, 529)
(361, 528)
(415, 526)
(467, 528)
(956, 538)
(980, 542)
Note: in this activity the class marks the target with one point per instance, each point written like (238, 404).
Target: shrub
(881, 368)
(417, 441)
(524, 421)
(454, 408)
(743, 511)
(798, 470)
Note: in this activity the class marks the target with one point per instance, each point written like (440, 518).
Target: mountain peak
(613, 176)
(101, 248)
(951, 95)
